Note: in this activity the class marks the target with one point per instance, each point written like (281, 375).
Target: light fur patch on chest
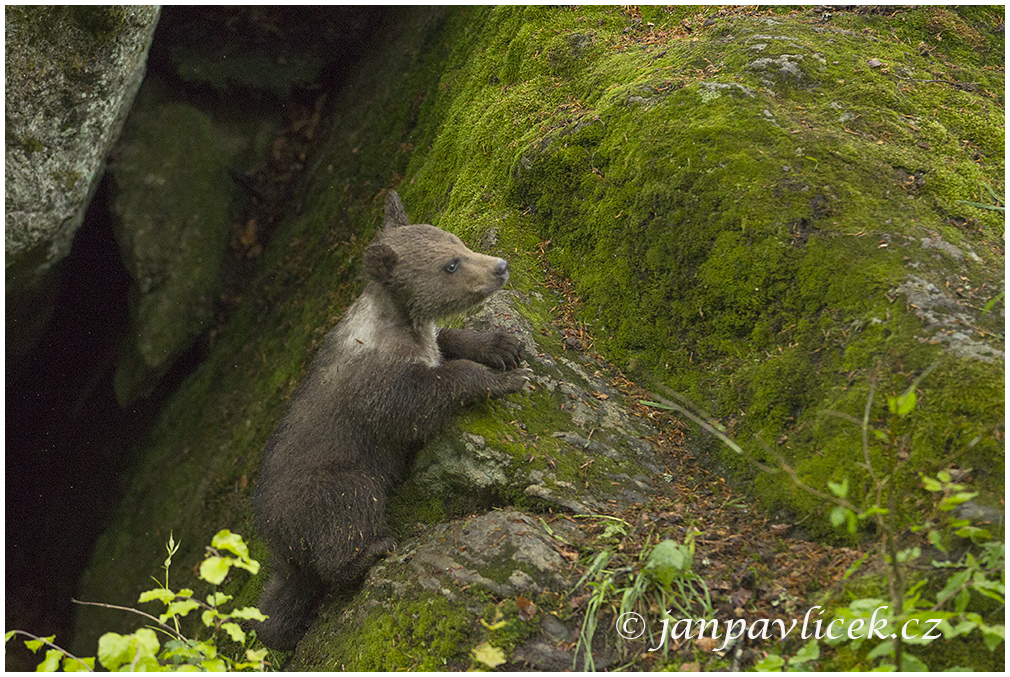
(367, 328)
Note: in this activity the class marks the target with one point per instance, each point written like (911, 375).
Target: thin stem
(58, 648)
(168, 628)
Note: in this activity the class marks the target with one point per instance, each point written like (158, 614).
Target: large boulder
(72, 73)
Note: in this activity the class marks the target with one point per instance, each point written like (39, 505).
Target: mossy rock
(71, 76)
(747, 234)
(172, 217)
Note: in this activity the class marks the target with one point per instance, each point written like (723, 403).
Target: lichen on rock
(71, 75)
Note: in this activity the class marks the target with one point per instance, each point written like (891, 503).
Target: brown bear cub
(386, 380)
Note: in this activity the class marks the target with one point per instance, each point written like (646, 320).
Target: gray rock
(71, 74)
(502, 554)
(944, 318)
(598, 433)
(783, 65)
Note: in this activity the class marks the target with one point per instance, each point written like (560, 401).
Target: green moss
(423, 633)
(740, 245)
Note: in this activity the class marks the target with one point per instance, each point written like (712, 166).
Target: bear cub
(386, 380)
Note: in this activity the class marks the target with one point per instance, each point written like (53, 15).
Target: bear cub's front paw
(501, 351)
(514, 381)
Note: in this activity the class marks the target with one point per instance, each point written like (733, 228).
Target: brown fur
(385, 381)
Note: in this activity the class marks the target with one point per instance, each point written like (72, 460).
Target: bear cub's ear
(380, 259)
(396, 215)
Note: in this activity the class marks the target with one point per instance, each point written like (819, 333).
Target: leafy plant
(662, 578)
(143, 650)
(911, 616)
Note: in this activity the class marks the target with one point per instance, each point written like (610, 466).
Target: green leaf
(837, 516)
(252, 566)
(161, 594)
(667, 561)
(208, 617)
(961, 600)
(218, 598)
(189, 652)
(214, 569)
(910, 663)
(908, 554)
(839, 490)
(851, 518)
(179, 608)
(978, 535)
(980, 582)
(882, 649)
(953, 583)
(490, 656)
(51, 663)
(930, 484)
(226, 540)
(993, 301)
(75, 665)
(874, 510)
(993, 635)
(248, 613)
(115, 650)
(256, 656)
(254, 660)
(35, 644)
(902, 405)
(809, 652)
(7, 636)
(936, 539)
(770, 663)
(951, 502)
(234, 631)
(214, 665)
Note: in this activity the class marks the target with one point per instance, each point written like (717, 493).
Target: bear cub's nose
(502, 267)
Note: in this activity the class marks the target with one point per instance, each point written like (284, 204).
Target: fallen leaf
(568, 552)
(527, 609)
(707, 643)
(490, 656)
(740, 597)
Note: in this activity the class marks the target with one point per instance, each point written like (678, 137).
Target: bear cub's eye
(452, 266)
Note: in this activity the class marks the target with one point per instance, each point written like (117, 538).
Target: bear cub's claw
(502, 351)
(515, 381)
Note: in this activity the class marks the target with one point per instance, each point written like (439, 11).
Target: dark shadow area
(70, 446)
(68, 442)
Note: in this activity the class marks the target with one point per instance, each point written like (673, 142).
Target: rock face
(171, 211)
(749, 213)
(72, 73)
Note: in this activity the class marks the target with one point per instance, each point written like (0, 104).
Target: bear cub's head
(428, 272)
